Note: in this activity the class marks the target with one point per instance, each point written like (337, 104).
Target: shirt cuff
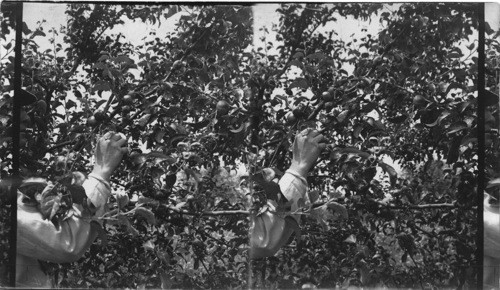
(293, 186)
(98, 191)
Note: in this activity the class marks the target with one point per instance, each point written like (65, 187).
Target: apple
(290, 118)
(99, 116)
(126, 109)
(122, 199)
(419, 101)
(327, 96)
(329, 106)
(222, 108)
(91, 121)
(41, 107)
(431, 87)
(177, 64)
(443, 87)
(128, 99)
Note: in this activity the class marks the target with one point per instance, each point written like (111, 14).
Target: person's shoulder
(24, 203)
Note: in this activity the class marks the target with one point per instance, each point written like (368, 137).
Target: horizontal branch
(209, 213)
(425, 206)
(419, 206)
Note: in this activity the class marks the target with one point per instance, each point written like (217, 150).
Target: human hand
(307, 146)
(109, 151)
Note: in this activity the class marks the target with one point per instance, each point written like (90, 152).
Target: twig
(108, 103)
(419, 274)
(396, 86)
(316, 111)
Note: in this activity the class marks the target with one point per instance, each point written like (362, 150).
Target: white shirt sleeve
(269, 231)
(40, 239)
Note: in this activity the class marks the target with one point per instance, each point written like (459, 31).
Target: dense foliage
(203, 106)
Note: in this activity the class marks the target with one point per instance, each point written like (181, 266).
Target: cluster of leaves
(201, 102)
(55, 201)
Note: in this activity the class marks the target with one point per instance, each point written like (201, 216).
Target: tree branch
(420, 206)
(316, 111)
(61, 145)
(390, 84)
(208, 213)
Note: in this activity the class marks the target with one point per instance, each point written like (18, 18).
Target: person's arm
(268, 231)
(40, 239)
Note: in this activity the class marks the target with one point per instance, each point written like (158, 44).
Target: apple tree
(210, 116)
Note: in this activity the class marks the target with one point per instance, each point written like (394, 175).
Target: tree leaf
(25, 29)
(199, 125)
(296, 63)
(123, 220)
(166, 281)
(148, 246)
(37, 33)
(457, 126)
(101, 86)
(313, 195)
(298, 55)
(160, 157)
(271, 188)
(339, 210)
(316, 56)
(490, 98)
(299, 83)
(460, 75)
(239, 129)
(144, 120)
(147, 214)
(453, 151)
(438, 119)
(268, 174)
(142, 200)
(78, 194)
(389, 170)
(101, 233)
(122, 199)
(350, 239)
(122, 58)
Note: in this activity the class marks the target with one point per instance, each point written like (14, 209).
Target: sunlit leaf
(390, 171)
(351, 239)
(148, 246)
